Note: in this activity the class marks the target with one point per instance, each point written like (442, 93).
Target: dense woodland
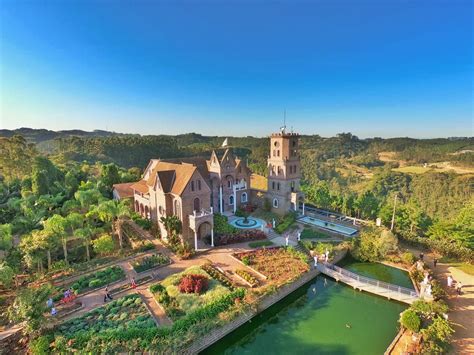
(66, 177)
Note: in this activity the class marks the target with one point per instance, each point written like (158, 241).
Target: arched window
(243, 197)
(199, 184)
(278, 186)
(177, 209)
(292, 186)
(229, 182)
(197, 204)
(192, 185)
(273, 185)
(278, 152)
(294, 169)
(275, 203)
(231, 200)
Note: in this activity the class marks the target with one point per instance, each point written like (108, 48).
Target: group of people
(69, 296)
(50, 305)
(457, 285)
(287, 237)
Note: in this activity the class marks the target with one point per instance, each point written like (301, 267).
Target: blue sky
(374, 68)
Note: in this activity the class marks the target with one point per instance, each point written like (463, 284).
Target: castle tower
(284, 173)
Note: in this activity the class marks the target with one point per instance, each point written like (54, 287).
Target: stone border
(394, 341)
(149, 310)
(161, 307)
(71, 312)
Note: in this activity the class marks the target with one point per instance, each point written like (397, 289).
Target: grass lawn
(260, 243)
(412, 169)
(309, 233)
(179, 304)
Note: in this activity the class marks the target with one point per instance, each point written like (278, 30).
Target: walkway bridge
(362, 283)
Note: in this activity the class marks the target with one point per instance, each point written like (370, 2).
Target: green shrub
(40, 345)
(156, 288)
(308, 233)
(222, 226)
(410, 320)
(246, 260)
(408, 258)
(286, 223)
(95, 283)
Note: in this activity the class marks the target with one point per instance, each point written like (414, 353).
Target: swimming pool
(333, 227)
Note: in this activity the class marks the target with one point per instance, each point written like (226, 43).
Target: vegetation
(260, 243)
(247, 276)
(310, 233)
(287, 221)
(373, 244)
(429, 318)
(150, 262)
(280, 265)
(98, 279)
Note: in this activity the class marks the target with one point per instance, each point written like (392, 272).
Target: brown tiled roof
(258, 182)
(183, 173)
(140, 186)
(200, 163)
(124, 190)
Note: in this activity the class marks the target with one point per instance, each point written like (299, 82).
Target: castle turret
(284, 172)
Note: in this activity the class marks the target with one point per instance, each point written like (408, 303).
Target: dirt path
(462, 307)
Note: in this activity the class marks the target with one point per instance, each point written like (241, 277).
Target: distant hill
(40, 135)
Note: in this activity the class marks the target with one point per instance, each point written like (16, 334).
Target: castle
(193, 189)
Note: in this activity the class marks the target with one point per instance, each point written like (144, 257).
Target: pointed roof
(166, 178)
(225, 143)
(183, 173)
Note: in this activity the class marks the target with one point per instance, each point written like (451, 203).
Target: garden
(149, 262)
(227, 234)
(181, 294)
(310, 233)
(118, 315)
(95, 280)
(279, 265)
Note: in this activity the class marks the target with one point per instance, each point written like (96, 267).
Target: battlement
(284, 135)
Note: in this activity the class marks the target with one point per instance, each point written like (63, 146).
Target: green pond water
(322, 317)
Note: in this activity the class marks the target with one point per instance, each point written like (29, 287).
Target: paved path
(462, 307)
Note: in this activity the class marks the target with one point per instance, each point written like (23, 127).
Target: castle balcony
(198, 217)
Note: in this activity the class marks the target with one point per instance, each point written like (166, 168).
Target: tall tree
(57, 225)
(85, 234)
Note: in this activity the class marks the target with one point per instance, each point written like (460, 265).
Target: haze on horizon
(385, 69)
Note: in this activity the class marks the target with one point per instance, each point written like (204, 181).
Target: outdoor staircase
(303, 250)
(272, 234)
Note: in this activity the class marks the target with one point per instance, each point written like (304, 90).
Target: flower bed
(218, 275)
(150, 262)
(279, 265)
(178, 304)
(240, 237)
(126, 312)
(248, 277)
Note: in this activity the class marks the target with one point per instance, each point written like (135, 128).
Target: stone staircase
(303, 250)
(272, 234)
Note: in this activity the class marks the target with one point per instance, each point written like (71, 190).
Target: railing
(368, 280)
(202, 212)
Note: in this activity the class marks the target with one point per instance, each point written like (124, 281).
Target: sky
(373, 68)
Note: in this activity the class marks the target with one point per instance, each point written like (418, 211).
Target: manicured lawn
(309, 233)
(125, 312)
(260, 243)
(176, 303)
(280, 265)
(150, 262)
(412, 169)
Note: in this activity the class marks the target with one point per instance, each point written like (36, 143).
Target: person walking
(299, 236)
(107, 294)
(133, 283)
(459, 288)
(450, 281)
(327, 255)
(315, 260)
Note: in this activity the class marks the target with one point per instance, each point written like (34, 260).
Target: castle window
(231, 200)
(192, 185)
(243, 198)
(197, 204)
(294, 169)
(273, 185)
(199, 184)
(278, 152)
(275, 203)
(294, 143)
(278, 186)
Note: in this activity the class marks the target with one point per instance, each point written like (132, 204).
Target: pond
(321, 317)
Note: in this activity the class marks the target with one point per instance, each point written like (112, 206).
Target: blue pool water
(333, 227)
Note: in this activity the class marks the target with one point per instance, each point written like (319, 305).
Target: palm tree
(48, 240)
(114, 213)
(85, 234)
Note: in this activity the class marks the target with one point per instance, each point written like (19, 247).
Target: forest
(47, 174)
